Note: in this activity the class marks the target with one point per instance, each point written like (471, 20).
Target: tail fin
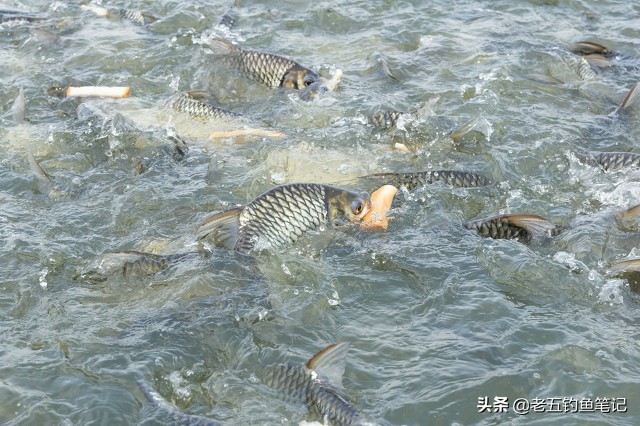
(330, 363)
(222, 228)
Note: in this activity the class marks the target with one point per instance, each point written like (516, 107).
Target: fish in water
(142, 18)
(171, 415)
(18, 106)
(16, 16)
(414, 180)
(522, 227)
(385, 120)
(266, 68)
(614, 160)
(629, 219)
(585, 48)
(129, 264)
(630, 270)
(321, 86)
(318, 383)
(281, 215)
(193, 104)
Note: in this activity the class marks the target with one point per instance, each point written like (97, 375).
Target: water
(437, 317)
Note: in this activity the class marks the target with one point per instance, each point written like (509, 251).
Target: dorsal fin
(535, 225)
(222, 227)
(329, 363)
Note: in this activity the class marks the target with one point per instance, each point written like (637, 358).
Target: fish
(585, 48)
(17, 16)
(321, 86)
(318, 383)
(228, 19)
(265, 68)
(614, 160)
(629, 218)
(414, 180)
(584, 70)
(37, 170)
(171, 415)
(142, 18)
(129, 264)
(629, 98)
(457, 135)
(192, 104)
(385, 120)
(281, 215)
(630, 270)
(18, 106)
(522, 227)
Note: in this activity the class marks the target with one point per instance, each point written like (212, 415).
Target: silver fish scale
(384, 120)
(264, 68)
(282, 215)
(617, 160)
(499, 228)
(450, 177)
(198, 109)
(299, 384)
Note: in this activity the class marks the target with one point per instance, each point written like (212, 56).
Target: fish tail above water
(629, 98)
(456, 178)
(523, 227)
(222, 228)
(318, 384)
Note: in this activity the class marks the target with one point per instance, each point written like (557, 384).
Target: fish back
(616, 160)
(264, 68)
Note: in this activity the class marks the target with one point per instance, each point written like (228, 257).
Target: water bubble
(295, 291)
(253, 379)
(285, 269)
(42, 280)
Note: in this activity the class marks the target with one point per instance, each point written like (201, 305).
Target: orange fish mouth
(375, 218)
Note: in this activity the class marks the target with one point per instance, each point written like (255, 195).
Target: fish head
(299, 77)
(351, 206)
(313, 90)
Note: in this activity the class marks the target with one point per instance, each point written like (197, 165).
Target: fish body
(171, 414)
(521, 227)
(142, 18)
(318, 384)
(585, 48)
(283, 214)
(584, 70)
(129, 264)
(455, 178)
(16, 16)
(196, 108)
(616, 160)
(385, 120)
(266, 68)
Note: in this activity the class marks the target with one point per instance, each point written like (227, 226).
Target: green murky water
(438, 318)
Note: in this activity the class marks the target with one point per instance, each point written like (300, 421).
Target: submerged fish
(266, 68)
(318, 383)
(455, 178)
(281, 215)
(192, 104)
(17, 16)
(614, 160)
(171, 414)
(129, 264)
(522, 227)
(584, 70)
(385, 120)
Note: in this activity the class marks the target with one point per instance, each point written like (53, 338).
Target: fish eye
(308, 79)
(357, 206)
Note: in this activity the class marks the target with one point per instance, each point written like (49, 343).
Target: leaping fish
(318, 383)
(281, 215)
(414, 180)
(266, 68)
(523, 227)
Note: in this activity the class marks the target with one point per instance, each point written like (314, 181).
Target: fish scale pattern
(450, 177)
(617, 160)
(201, 110)
(262, 67)
(281, 216)
(299, 383)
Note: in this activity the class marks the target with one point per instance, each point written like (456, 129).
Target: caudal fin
(329, 363)
(222, 228)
